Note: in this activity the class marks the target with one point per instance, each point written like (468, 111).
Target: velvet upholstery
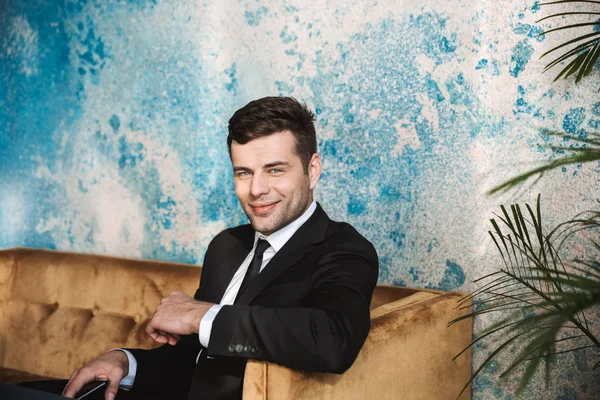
(59, 310)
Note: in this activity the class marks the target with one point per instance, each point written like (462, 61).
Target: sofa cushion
(69, 308)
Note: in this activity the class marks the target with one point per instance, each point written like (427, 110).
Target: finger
(171, 336)
(111, 390)
(150, 329)
(73, 375)
(114, 379)
(76, 383)
(156, 335)
(173, 340)
(158, 338)
(165, 337)
(152, 326)
(70, 382)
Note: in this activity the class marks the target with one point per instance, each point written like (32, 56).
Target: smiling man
(293, 287)
(272, 183)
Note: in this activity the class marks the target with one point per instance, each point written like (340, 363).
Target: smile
(263, 208)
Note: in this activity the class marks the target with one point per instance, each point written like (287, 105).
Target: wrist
(201, 312)
(195, 315)
(122, 359)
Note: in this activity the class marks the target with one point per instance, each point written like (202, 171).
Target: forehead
(276, 147)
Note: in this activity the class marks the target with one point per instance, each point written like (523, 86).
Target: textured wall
(113, 122)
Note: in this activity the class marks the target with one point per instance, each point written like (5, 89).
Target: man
(292, 287)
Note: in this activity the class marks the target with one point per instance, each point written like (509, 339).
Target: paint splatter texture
(113, 119)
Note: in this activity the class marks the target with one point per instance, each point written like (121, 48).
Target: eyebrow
(266, 166)
(276, 164)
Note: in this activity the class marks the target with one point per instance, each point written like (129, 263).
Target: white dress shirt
(276, 241)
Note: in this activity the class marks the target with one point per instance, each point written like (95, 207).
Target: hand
(178, 314)
(112, 366)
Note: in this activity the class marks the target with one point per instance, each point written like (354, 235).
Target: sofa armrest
(408, 354)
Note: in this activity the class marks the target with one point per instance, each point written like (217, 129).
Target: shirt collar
(278, 239)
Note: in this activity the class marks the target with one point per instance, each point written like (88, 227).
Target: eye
(243, 174)
(275, 171)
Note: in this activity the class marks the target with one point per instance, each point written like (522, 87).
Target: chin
(265, 229)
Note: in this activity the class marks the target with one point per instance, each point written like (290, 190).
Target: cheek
(282, 186)
(239, 189)
(290, 187)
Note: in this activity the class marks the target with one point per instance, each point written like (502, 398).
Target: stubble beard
(272, 224)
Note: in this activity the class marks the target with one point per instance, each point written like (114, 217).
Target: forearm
(308, 339)
(166, 369)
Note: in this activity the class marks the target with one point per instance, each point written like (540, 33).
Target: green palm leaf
(584, 55)
(567, 13)
(534, 276)
(585, 150)
(569, 1)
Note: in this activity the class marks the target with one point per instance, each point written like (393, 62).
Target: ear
(314, 170)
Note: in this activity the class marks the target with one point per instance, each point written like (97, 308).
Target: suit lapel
(301, 243)
(239, 245)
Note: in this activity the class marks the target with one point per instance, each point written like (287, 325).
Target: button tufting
(137, 318)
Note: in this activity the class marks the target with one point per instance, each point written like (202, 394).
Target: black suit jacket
(307, 310)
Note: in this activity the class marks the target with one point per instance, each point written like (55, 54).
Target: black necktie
(254, 267)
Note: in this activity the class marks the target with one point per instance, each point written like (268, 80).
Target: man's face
(270, 182)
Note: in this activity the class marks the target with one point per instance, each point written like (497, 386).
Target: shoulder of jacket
(344, 233)
(241, 233)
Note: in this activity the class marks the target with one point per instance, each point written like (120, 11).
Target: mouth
(259, 209)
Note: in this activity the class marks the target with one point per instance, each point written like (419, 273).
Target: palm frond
(567, 13)
(585, 54)
(585, 150)
(580, 47)
(568, 1)
(538, 298)
(572, 26)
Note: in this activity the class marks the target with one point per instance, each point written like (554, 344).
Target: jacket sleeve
(324, 334)
(166, 369)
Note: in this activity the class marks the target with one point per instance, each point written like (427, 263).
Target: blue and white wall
(113, 119)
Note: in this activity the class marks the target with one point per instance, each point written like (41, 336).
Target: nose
(259, 185)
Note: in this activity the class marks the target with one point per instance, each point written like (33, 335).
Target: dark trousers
(57, 386)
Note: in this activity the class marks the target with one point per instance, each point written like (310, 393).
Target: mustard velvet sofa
(59, 310)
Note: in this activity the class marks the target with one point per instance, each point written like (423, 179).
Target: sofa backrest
(69, 308)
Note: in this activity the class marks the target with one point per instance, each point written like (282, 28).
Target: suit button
(253, 349)
(231, 348)
(247, 349)
(239, 348)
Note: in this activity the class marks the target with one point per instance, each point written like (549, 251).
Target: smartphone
(89, 388)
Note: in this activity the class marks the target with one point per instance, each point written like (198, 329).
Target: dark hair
(269, 115)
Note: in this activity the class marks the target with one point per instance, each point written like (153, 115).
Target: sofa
(59, 310)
